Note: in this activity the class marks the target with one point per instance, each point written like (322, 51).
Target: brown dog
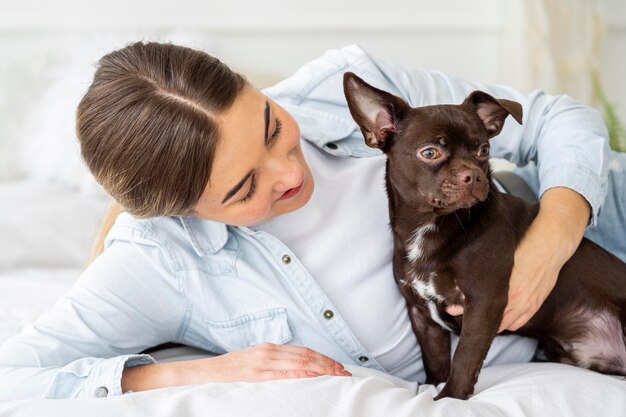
(455, 236)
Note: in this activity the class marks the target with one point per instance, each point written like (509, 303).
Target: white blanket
(536, 389)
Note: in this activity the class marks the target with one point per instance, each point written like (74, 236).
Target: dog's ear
(493, 111)
(375, 111)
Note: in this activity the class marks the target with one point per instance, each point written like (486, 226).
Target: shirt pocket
(270, 325)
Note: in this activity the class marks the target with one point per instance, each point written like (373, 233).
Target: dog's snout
(469, 177)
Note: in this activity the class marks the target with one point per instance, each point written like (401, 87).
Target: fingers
(513, 320)
(287, 361)
(506, 321)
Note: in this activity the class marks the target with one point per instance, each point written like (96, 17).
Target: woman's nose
(286, 172)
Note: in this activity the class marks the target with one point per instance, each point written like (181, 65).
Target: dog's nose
(469, 177)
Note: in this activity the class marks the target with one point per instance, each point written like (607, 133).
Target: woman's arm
(126, 301)
(549, 242)
(263, 362)
(567, 140)
(120, 305)
(569, 143)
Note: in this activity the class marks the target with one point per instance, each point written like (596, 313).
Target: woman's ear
(377, 112)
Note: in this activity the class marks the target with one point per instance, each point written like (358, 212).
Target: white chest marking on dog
(425, 288)
(435, 316)
(414, 247)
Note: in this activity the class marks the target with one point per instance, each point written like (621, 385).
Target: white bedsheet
(536, 389)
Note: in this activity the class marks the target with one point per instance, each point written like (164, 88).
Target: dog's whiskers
(460, 222)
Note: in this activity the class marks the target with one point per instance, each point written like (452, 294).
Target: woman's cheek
(258, 211)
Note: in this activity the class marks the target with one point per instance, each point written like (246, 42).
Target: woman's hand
(263, 362)
(549, 242)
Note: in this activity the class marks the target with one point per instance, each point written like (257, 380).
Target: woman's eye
(430, 153)
(250, 193)
(483, 150)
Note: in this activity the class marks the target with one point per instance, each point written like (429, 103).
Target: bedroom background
(50, 207)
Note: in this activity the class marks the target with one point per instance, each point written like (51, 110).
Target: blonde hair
(107, 222)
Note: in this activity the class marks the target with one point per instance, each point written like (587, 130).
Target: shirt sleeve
(568, 141)
(123, 303)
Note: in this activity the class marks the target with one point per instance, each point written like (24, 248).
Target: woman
(255, 226)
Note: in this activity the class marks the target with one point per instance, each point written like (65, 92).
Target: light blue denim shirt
(223, 288)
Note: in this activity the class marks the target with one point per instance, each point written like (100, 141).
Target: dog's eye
(430, 153)
(483, 150)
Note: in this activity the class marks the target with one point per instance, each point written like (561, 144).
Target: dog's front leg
(434, 342)
(480, 326)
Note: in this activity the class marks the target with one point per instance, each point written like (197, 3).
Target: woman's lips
(292, 192)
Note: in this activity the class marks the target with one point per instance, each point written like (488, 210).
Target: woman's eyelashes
(279, 126)
(250, 193)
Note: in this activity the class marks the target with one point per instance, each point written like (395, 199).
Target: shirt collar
(206, 236)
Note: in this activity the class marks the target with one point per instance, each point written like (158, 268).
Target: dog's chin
(441, 207)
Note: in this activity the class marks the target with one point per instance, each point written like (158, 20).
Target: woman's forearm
(567, 213)
(151, 376)
(262, 362)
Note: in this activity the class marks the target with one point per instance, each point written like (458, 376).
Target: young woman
(255, 225)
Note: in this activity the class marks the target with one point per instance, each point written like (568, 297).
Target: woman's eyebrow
(267, 120)
(241, 182)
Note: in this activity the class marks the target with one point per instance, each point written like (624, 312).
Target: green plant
(617, 133)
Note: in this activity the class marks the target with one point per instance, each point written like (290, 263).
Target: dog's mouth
(463, 199)
(448, 207)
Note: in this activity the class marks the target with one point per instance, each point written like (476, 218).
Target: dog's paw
(450, 392)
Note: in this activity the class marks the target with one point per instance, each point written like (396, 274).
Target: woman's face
(260, 144)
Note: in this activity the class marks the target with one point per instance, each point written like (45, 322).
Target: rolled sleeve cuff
(105, 377)
(580, 179)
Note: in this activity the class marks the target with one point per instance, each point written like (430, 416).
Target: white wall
(41, 42)
(277, 36)
(613, 54)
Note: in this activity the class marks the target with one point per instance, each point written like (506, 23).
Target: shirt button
(328, 314)
(331, 145)
(286, 259)
(102, 392)
(364, 358)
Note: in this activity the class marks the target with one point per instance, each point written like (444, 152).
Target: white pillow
(26, 293)
(47, 225)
